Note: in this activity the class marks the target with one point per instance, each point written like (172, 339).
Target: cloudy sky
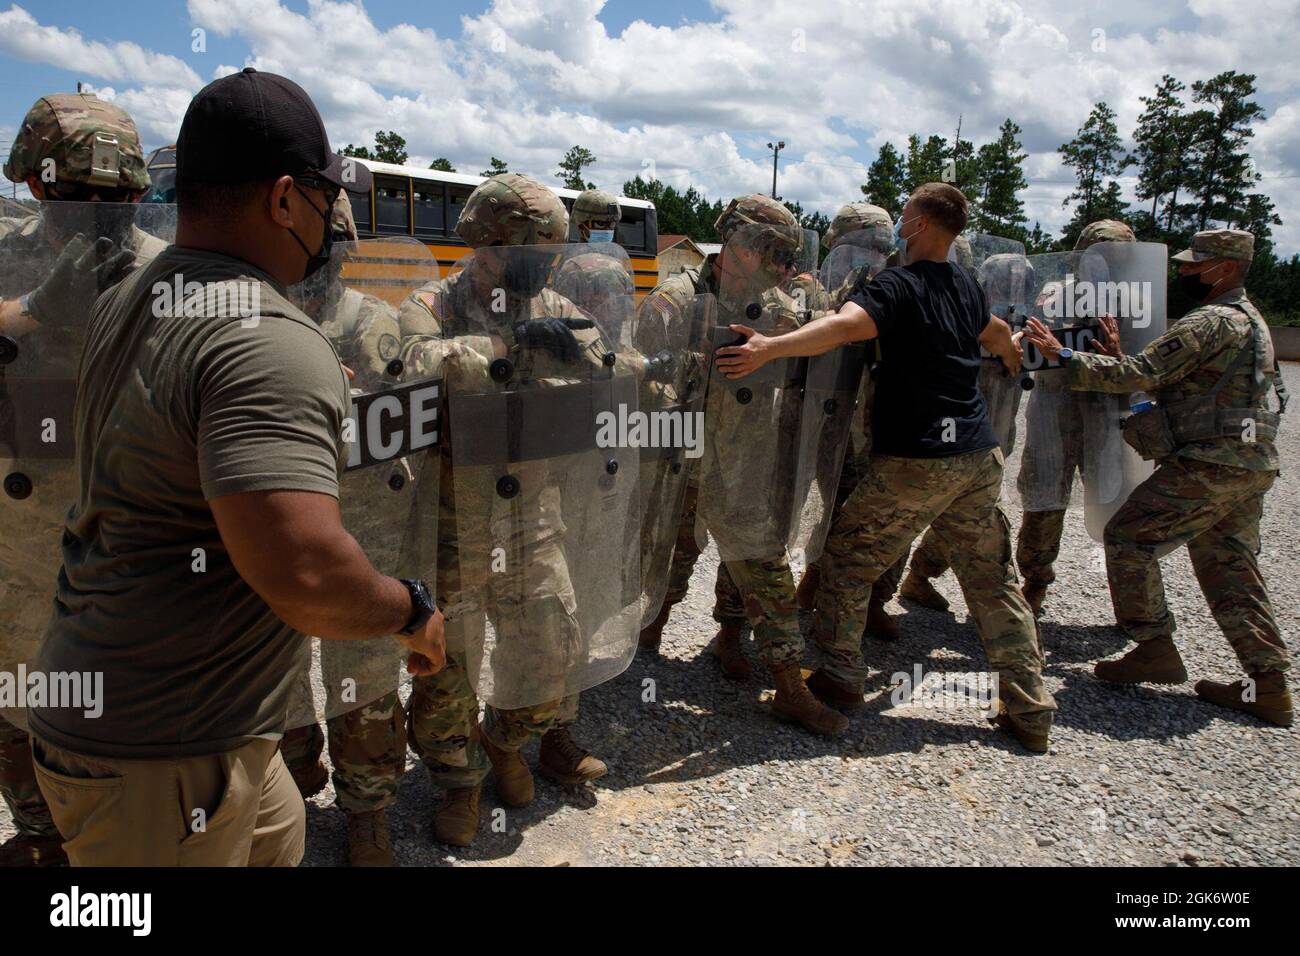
(688, 91)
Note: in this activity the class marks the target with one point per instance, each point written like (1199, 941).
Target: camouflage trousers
(895, 501)
(883, 591)
(1064, 437)
(728, 606)
(766, 586)
(1215, 510)
(1039, 545)
(367, 747)
(442, 722)
(18, 783)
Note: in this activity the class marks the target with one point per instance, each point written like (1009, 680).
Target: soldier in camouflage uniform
(93, 151)
(367, 744)
(596, 214)
(759, 589)
(857, 223)
(1039, 541)
(452, 331)
(1212, 436)
(1003, 277)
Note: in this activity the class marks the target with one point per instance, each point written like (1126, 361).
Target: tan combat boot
(456, 821)
(879, 623)
(795, 703)
(835, 693)
(731, 658)
(1154, 661)
(805, 595)
(562, 760)
(28, 850)
(653, 633)
(368, 839)
(510, 775)
(1272, 700)
(1030, 729)
(919, 590)
(1035, 593)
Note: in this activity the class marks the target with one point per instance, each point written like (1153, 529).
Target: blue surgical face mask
(602, 235)
(899, 242)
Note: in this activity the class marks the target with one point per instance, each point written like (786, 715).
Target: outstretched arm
(851, 323)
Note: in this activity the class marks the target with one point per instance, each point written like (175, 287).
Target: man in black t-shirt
(934, 460)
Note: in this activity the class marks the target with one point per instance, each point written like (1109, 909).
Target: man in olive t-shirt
(206, 537)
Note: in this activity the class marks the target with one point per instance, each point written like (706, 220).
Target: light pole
(776, 151)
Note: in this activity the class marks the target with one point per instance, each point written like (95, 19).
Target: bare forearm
(335, 593)
(850, 324)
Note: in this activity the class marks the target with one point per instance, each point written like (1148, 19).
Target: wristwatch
(422, 606)
(1065, 355)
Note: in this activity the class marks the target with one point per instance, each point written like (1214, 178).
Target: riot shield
(542, 412)
(1075, 432)
(54, 263)
(1130, 281)
(674, 336)
(388, 497)
(1006, 278)
(760, 446)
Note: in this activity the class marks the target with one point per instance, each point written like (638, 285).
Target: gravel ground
(700, 774)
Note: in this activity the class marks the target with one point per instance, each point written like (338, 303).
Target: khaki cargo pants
(238, 808)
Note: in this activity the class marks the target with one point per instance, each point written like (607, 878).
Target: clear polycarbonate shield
(542, 421)
(54, 262)
(1129, 281)
(1007, 279)
(984, 246)
(753, 481)
(673, 334)
(860, 254)
(388, 492)
(1076, 433)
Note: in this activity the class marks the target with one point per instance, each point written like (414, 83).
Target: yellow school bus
(426, 204)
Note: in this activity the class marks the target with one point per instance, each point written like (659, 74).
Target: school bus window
(631, 230)
(456, 196)
(392, 214)
(429, 216)
(360, 210)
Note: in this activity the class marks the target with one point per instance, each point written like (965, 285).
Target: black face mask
(527, 271)
(1194, 286)
(322, 257)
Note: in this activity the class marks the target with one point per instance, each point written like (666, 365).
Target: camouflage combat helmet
(342, 224)
(597, 205)
(962, 252)
(1007, 277)
(592, 277)
(1104, 230)
(513, 210)
(91, 142)
(772, 219)
(855, 217)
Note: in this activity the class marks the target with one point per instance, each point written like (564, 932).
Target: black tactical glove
(82, 271)
(661, 367)
(554, 335)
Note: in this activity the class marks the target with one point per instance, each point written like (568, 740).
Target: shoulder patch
(1166, 349)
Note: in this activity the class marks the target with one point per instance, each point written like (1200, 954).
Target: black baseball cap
(251, 126)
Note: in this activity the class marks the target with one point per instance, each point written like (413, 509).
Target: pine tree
(1001, 177)
(886, 184)
(495, 167)
(1221, 172)
(1162, 139)
(443, 164)
(1095, 154)
(571, 166)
